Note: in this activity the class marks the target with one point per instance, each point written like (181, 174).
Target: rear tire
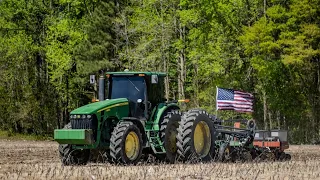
(196, 136)
(71, 156)
(169, 131)
(126, 143)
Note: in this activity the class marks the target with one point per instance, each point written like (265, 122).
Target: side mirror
(154, 79)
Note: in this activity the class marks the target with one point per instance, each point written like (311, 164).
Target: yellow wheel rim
(202, 139)
(132, 146)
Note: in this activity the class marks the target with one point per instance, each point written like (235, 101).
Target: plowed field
(39, 160)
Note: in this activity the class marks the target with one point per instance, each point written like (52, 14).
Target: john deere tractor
(131, 117)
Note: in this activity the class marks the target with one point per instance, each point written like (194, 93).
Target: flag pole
(217, 102)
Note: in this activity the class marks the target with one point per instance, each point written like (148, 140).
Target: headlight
(82, 116)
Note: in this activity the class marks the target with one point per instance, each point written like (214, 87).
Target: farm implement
(249, 144)
(271, 145)
(132, 118)
(235, 143)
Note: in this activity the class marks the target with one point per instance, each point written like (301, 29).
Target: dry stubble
(39, 160)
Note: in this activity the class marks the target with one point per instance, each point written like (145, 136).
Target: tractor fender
(161, 109)
(139, 124)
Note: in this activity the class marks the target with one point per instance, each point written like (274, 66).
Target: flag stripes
(229, 99)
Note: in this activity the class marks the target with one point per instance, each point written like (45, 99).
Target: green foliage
(16, 136)
(49, 49)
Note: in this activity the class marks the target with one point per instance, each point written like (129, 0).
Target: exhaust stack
(101, 88)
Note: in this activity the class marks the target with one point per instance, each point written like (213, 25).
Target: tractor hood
(98, 106)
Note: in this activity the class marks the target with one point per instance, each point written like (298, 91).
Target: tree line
(48, 49)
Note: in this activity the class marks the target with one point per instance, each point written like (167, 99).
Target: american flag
(229, 99)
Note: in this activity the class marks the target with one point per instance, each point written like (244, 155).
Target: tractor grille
(82, 124)
(86, 123)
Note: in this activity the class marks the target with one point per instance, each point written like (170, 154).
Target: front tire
(71, 156)
(126, 143)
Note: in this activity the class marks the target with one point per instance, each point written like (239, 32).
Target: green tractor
(131, 119)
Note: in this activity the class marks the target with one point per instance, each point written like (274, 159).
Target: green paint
(93, 108)
(114, 108)
(156, 145)
(118, 111)
(219, 142)
(136, 73)
(234, 143)
(161, 108)
(152, 127)
(73, 136)
(237, 143)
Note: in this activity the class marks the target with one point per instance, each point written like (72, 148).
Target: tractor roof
(148, 73)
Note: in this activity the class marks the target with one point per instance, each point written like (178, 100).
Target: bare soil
(40, 160)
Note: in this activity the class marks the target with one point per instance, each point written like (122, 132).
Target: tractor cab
(144, 90)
